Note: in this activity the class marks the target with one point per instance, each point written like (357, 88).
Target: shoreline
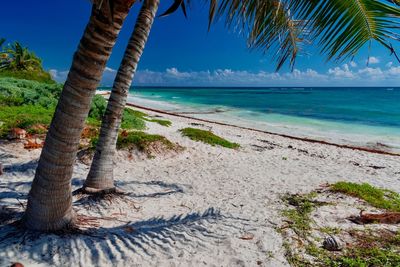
(304, 139)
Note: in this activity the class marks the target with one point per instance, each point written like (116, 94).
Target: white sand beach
(203, 206)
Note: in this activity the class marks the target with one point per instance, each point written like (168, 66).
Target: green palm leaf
(341, 27)
(269, 23)
(344, 27)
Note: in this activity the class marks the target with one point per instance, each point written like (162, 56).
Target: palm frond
(342, 28)
(174, 7)
(269, 23)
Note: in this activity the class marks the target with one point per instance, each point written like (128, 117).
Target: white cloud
(389, 64)
(338, 76)
(341, 72)
(110, 70)
(174, 72)
(353, 64)
(395, 71)
(373, 60)
(58, 76)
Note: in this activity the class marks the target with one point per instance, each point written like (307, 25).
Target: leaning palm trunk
(100, 177)
(50, 199)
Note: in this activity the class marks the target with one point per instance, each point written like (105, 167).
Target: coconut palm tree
(100, 177)
(50, 200)
(17, 57)
(271, 25)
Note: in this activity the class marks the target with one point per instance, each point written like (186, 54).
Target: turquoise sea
(364, 116)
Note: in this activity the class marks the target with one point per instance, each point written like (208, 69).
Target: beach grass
(142, 141)
(207, 137)
(132, 119)
(165, 123)
(145, 117)
(376, 197)
(299, 214)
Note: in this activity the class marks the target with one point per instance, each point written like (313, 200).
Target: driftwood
(386, 218)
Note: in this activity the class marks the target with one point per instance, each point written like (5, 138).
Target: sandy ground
(205, 206)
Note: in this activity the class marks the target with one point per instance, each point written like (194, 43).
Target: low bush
(207, 137)
(141, 140)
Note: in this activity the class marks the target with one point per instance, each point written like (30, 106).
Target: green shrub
(23, 117)
(40, 75)
(98, 107)
(38, 98)
(24, 92)
(132, 119)
(207, 137)
(141, 140)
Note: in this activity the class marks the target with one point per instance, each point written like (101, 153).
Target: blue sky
(182, 52)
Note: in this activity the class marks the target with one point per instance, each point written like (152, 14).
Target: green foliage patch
(141, 115)
(24, 117)
(19, 62)
(25, 103)
(379, 198)
(16, 92)
(133, 119)
(97, 108)
(299, 215)
(38, 75)
(207, 137)
(161, 122)
(141, 141)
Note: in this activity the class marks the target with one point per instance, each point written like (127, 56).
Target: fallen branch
(367, 218)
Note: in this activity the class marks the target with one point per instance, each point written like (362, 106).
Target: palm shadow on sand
(140, 239)
(187, 233)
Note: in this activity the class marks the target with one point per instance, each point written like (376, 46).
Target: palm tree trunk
(50, 200)
(100, 177)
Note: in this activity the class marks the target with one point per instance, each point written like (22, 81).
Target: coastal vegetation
(376, 197)
(144, 142)
(145, 117)
(207, 137)
(19, 62)
(30, 105)
(26, 104)
(365, 246)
